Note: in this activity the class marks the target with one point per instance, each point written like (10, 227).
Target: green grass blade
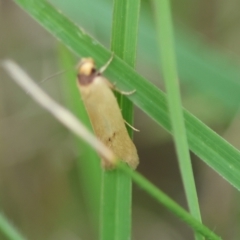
(172, 206)
(88, 161)
(123, 44)
(125, 30)
(108, 205)
(9, 230)
(166, 44)
(201, 65)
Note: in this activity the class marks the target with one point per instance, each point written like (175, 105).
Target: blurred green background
(40, 191)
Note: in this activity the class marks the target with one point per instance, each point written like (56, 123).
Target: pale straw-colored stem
(60, 113)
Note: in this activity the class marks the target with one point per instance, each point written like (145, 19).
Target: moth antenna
(54, 75)
(133, 128)
(104, 67)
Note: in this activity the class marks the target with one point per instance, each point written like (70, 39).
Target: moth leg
(133, 128)
(113, 87)
(104, 67)
(125, 93)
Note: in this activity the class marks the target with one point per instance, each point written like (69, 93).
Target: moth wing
(107, 120)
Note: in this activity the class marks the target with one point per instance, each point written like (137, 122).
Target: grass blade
(162, 198)
(166, 44)
(123, 44)
(9, 230)
(194, 54)
(88, 162)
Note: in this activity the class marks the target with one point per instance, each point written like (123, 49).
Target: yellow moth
(104, 112)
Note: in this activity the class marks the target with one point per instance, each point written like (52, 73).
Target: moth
(104, 112)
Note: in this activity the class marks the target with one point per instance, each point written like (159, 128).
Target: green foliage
(210, 147)
(165, 34)
(9, 230)
(117, 186)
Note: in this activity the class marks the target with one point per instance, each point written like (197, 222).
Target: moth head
(86, 66)
(86, 71)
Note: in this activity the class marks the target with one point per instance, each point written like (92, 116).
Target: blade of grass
(123, 44)
(200, 64)
(62, 114)
(9, 230)
(108, 218)
(162, 12)
(172, 206)
(66, 118)
(88, 161)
